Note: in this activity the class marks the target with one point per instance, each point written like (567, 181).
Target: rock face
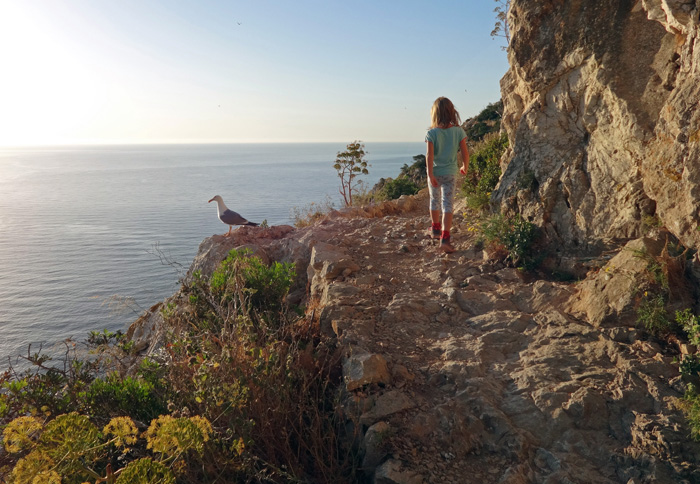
(601, 108)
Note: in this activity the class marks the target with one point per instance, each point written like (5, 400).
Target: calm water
(79, 225)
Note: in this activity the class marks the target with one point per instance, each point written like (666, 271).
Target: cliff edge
(459, 366)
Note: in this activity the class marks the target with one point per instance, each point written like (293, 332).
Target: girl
(445, 139)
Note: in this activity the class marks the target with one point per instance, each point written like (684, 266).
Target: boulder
(362, 368)
(612, 296)
(375, 446)
(392, 472)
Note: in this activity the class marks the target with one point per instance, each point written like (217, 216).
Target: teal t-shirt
(445, 148)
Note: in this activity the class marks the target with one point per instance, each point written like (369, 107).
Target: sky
(206, 71)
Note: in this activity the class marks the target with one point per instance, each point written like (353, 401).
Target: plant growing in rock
(690, 404)
(513, 235)
(311, 213)
(690, 365)
(691, 325)
(666, 286)
(652, 314)
(501, 27)
(350, 164)
(650, 223)
(484, 171)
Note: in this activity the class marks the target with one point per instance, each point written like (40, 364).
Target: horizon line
(182, 142)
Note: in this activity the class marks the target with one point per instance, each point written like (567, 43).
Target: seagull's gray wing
(232, 218)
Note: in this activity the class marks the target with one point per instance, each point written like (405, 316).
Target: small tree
(350, 164)
(501, 28)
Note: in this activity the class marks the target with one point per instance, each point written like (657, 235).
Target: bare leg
(230, 227)
(435, 216)
(446, 222)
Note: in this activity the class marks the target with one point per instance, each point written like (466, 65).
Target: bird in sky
(229, 217)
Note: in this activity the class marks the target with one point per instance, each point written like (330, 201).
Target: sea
(90, 236)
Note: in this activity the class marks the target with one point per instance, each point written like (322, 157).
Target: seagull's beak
(210, 200)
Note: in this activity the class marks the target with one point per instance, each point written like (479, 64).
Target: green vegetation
(510, 238)
(393, 189)
(411, 179)
(690, 324)
(513, 236)
(416, 171)
(484, 170)
(652, 314)
(486, 122)
(350, 164)
(650, 222)
(246, 388)
(72, 449)
(665, 282)
(690, 404)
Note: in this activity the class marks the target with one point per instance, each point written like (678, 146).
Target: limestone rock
(600, 109)
(375, 446)
(146, 332)
(608, 297)
(327, 263)
(611, 297)
(386, 405)
(392, 472)
(363, 368)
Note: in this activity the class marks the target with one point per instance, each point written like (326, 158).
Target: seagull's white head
(216, 199)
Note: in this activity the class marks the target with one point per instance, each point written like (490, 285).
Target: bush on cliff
(486, 122)
(484, 170)
(514, 236)
(246, 390)
(393, 189)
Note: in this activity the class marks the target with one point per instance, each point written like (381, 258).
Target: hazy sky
(113, 71)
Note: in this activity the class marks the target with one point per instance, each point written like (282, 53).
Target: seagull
(227, 216)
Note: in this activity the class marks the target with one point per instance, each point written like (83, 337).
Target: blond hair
(443, 113)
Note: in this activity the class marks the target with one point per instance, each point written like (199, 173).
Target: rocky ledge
(460, 366)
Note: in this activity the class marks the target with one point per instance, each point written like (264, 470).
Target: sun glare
(46, 89)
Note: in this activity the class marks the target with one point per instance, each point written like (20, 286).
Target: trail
(491, 379)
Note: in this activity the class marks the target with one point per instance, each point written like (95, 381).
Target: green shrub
(690, 404)
(232, 362)
(416, 171)
(395, 188)
(652, 314)
(690, 324)
(690, 365)
(515, 235)
(247, 278)
(116, 396)
(263, 375)
(72, 449)
(486, 122)
(484, 171)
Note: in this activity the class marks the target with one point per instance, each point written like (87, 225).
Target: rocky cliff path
(460, 370)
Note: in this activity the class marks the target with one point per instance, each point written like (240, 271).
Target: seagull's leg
(230, 227)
